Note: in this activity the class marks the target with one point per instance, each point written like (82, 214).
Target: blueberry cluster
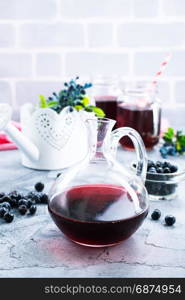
(23, 203)
(169, 220)
(167, 149)
(161, 167)
(71, 95)
(174, 143)
(158, 173)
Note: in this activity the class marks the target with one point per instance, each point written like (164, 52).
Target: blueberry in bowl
(162, 179)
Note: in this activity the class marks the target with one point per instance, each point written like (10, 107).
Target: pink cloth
(5, 142)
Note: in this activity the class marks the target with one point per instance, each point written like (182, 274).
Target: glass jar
(140, 108)
(105, 93)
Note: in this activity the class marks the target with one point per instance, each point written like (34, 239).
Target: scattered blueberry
(39, 186)
(8, 217)
(44, 198)
(2, 195)
(15, 195)
(170, 220)
(13, 203)
(30, 195)
(5, 199)
(34, 196)
(32, 209)
(3, 211)
(163, 152)
(172, 151)
(23, 202)
(22, 209)
(6, 205)
(156, 214)
(29, 203)
(168, 149)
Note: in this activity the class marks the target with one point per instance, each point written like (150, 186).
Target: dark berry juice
(141, 119)
(96, 215)
(108, 104)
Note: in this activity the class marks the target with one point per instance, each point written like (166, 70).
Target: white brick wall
(43, 42)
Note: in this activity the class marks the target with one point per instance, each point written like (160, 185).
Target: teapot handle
(117, 134)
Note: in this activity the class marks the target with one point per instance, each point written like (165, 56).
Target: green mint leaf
(88, 109)
(169, 135)
(43, 102)
(78, 107)
(98, 111)
(52, 103)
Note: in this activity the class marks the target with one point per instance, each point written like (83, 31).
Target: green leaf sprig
(73, 95)
(174, 143)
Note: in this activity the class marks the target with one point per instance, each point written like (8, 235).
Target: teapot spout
(22, 142)
(29, 149)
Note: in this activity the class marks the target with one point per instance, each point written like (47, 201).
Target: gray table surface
(34, 246)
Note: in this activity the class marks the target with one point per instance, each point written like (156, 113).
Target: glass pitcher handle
(139, 146)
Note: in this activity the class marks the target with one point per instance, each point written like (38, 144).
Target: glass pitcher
(98, 202)
(140, 108)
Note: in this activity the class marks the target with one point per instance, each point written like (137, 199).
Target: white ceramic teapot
(48, 141)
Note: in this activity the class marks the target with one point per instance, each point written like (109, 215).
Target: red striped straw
(160, 72)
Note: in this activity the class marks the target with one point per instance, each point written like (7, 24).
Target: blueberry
(6, 205)
(15, 195)
(32, 209)
(22, 209)
(6, 199)
(152, 170)
(172, 151)
(34, 197)
(30, 195)
(39, 186)
(156, 214)
(23, 202)
(173, 168)
(11, 200)
(8, 217)
(29, 203)
(170, 220)
(159, 170)
(3, 211)
(44, 198)
(166, 170)
(2, 194)
(158, 164)
(163, 152)
(13, 203)
(150, 164)
(166, 164)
